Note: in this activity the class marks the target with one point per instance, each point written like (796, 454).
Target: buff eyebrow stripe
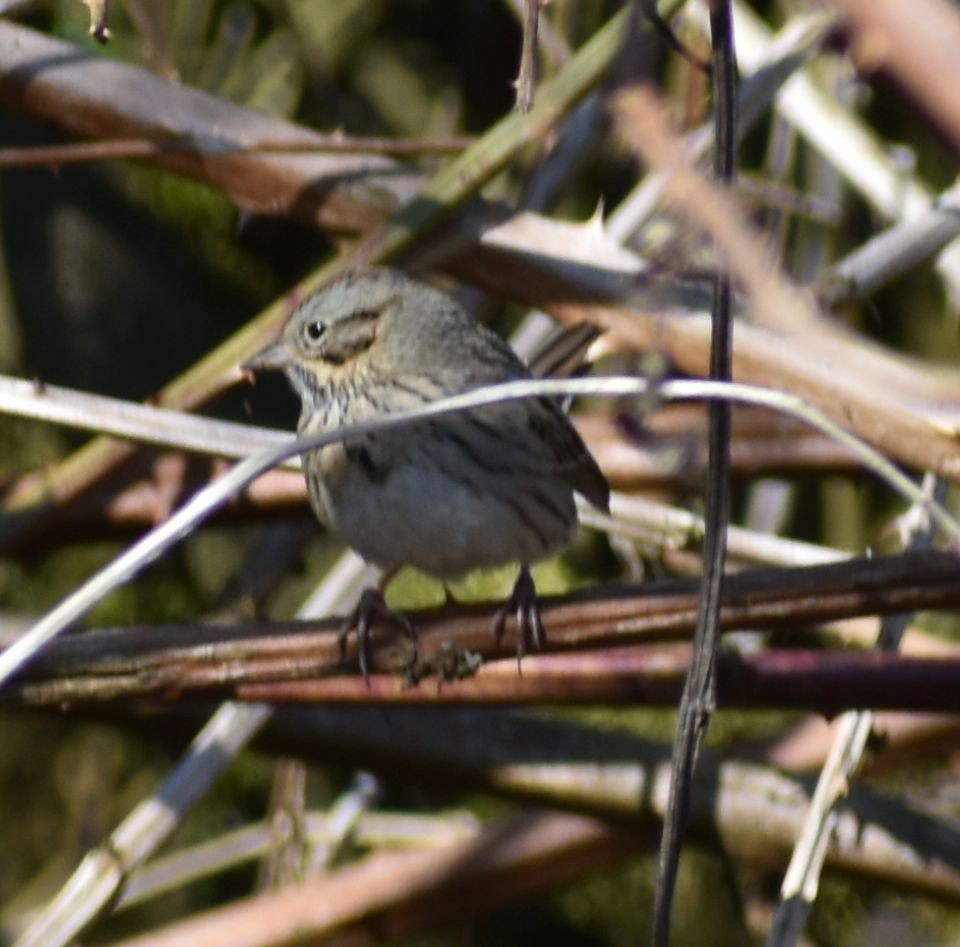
(360, 316)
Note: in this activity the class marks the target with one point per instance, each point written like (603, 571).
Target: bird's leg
(449, 599)
(523, 603)
(372, 608)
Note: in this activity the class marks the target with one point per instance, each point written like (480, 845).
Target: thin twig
(890, 254)
(781, 57)
(144, 423)
(802, 879)
(699, 696)
(641, 518)
(343, 819)
(112, 149)
(104, 869)
(526, 80)
(373, 829)
(402, 893)
(846, 142)
(666, 33)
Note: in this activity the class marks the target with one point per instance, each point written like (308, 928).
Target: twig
(112, 149)
(652, 676)
(774, 302)
(552, 46)
(785, 53)
(284, 855)
(891, 253)
(140, 422)
(190, 432)
(398, 893)
(666, 33)
(526, 80)
(104, 869)
(671, 527)
(846, 142)
(373, 830)
(343, 820)
(821, 682)
(802, 879)
(699, 696)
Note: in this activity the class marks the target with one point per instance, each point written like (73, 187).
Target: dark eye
(314, 330)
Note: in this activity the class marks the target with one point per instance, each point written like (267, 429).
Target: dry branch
(918, 44)
(166, 661)
(391, 894)
(756, 812)
(93, 97)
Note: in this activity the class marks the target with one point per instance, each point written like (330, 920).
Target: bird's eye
(314, 330)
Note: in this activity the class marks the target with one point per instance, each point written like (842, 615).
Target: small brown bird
(449, 495)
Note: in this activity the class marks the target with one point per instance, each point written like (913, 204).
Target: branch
(918, 45)
(167, 661)
(391, 894)
(802, 879)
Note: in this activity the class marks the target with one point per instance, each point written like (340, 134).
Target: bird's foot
(372, 608)
(523, 603)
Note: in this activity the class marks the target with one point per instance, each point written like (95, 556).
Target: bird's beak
(275, 357)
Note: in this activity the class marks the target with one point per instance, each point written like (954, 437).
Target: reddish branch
(301, 661)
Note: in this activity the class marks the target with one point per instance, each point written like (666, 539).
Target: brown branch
(93, 97)
(917, 43)
(155, 148)
(169, 660)
(809, 362)
(388, 895)
(755, 811)
(817, 681)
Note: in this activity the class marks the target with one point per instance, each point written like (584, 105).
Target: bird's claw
(372, 608)
(523, 604)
